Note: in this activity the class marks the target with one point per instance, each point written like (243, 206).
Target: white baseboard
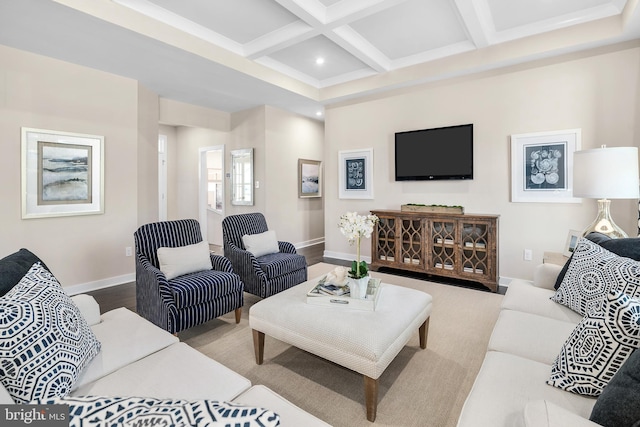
(100, 284)
(308, 243)
(345, 256)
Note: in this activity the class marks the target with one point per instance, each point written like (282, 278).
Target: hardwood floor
(125, 295)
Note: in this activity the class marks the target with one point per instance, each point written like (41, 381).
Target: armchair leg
(238, 312)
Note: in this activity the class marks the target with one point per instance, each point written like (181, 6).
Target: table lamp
(603, 174)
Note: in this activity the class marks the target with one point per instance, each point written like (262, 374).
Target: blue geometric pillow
(140, 411)
(46, 343)
(598, 346)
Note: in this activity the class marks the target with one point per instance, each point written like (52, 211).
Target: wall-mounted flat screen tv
(431, 154)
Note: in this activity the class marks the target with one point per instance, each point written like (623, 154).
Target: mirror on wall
(242, 177)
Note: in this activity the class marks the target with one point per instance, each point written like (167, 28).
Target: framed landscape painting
(355, 174)
(62, 173)
(542, 166)
(309, 178)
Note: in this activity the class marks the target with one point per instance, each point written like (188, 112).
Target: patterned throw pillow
(46, 342)
(138, 411)
(598, 346)
(592, 273)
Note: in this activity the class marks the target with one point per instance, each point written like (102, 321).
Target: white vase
(358, 287)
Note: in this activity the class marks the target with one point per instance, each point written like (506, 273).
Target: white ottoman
(363, 341)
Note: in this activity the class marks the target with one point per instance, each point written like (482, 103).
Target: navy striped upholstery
(266, 275)
(186, 300)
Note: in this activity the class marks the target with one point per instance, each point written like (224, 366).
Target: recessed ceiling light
(318, 113)
(319, 60)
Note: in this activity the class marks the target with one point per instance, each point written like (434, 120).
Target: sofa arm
(540, 413)
(545, 275)
(88, 307)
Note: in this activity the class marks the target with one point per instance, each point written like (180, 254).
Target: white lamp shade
(606, 173)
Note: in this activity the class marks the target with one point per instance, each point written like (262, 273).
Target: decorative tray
(335, 295)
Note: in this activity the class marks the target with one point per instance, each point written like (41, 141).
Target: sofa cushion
(598, 346)
(261, 243)
(46, 341)
(181, 260)
(122, 329)
(522, 296)
(592, 273)
(13, 268)
(541, 413)
(619, 403)
(626, 247)
(504, 386)
(177, 371)
(519, 333)
(149, 411)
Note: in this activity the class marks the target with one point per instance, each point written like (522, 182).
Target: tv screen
(439, 153)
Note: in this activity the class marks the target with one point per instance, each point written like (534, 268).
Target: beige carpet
(419, 388)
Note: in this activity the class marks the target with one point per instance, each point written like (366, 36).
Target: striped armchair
(187, 300)
(265, 275)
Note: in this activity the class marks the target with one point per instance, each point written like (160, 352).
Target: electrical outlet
(128, 251)
(528, 255)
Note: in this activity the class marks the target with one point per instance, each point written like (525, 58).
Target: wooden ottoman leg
(371, 397)
(422, 332)
(258, 346)
(238, 314)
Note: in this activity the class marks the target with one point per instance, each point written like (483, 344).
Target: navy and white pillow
(592, 273)
(46, 343)
(139, 411)
(598, 346)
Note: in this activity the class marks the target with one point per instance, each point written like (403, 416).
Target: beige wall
(598, 94)
(39, 92)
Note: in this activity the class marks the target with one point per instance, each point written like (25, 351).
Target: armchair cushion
(202, 286)
(261, 243)
(181, 260)
(278, 264)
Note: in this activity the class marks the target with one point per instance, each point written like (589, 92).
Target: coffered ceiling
(301, 55)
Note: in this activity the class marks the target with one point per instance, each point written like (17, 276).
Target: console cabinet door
(477, 243)
(442, 242)
(384, 241)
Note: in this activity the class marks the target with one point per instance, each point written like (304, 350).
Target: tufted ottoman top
(363, 341)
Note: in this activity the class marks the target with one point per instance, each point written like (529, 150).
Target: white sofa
(510, 389)
(139, 359)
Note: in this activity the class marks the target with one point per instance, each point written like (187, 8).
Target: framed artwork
(572, 242)
(309, 178)
(355, 174)
(62, 173)
(542, 166)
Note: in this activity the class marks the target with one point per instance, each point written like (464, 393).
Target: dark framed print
(355, 174)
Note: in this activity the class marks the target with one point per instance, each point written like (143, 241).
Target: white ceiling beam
(476, 18)
(310, 11)
(358, 46)
(284, 37)
(347, 11)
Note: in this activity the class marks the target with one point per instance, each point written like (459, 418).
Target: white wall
(40, 92)
(598, 94)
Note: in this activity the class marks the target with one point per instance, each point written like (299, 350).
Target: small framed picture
(572, 242)
(309, 178)
(355, 174)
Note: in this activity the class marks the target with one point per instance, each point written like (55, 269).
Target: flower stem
(358, 258)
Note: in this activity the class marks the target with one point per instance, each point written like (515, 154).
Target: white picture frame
(542, 166)
(572, 241)
(62, 173)
(355, 174)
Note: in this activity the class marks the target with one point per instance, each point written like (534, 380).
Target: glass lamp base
(604, 224)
